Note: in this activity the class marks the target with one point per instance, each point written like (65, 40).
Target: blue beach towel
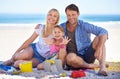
(7, 68)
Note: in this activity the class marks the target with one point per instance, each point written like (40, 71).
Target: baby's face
(57, 33)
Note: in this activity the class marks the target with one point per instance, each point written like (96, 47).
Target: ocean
(41, 18)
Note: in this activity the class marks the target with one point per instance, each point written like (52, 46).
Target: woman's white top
(42, 48)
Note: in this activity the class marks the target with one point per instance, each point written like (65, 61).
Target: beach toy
(59, 66)
(78, 74)
(47, 66)
(54, 69)
(54, 66)
(16, 72)
(63, 74)
(8, 69)
(26, 67)
(51, 61)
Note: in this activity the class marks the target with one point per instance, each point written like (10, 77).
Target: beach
(112, 44)
(13, 35)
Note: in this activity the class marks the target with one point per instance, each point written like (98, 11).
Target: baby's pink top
(55, 48)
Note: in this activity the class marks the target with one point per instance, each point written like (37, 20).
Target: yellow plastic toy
(51, 61)
(26, 67)
(63, 74)
(16, 72)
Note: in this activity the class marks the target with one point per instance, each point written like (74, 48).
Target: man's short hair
(72, 7)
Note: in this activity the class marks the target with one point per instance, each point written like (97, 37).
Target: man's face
(72, 16)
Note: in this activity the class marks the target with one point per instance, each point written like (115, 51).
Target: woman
(36, 52)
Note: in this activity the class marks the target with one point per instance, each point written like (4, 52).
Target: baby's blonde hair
(59, 27)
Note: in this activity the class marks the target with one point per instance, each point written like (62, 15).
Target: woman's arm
(28, 41)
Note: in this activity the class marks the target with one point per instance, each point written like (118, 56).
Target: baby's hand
(65, 40)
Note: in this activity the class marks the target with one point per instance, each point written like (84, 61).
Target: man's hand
(98, 53)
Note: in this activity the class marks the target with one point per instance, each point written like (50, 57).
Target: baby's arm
(49, 41)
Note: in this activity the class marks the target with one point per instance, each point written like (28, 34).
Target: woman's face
(52, 17)
(57, 33)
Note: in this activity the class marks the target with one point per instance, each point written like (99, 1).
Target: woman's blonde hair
(55, 11)
(46, 20)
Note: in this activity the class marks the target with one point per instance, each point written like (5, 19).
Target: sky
(43, 6)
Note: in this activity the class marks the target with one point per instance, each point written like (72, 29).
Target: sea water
(41, 18)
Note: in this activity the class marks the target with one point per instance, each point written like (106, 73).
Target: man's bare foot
(92, 66)
(103, 70)
(103, 73)
(97, 66)
(8, 62)
(107, 65)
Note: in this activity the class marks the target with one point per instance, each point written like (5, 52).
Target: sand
(40, 74)
(13, 35)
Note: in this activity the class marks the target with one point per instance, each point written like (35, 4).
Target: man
(81, 51)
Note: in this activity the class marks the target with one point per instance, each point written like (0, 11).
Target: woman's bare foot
(8, 62)
(40, 66)
(2, 71)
